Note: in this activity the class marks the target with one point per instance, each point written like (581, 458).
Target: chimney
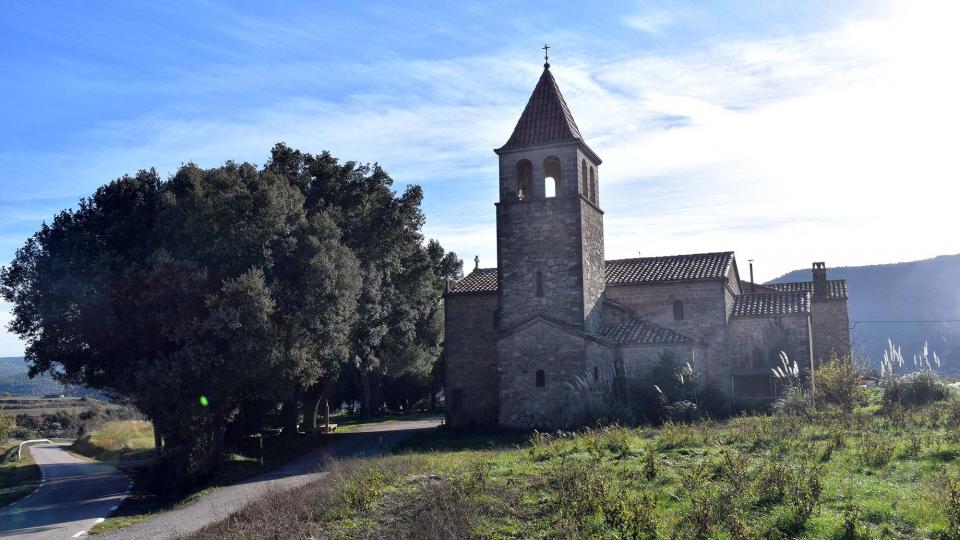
(819, 280)
(753, 284)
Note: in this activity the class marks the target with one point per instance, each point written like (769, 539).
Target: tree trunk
(157, 439)
(366, 397)
(312, 400)
(291, 413)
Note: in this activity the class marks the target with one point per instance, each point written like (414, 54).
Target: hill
(926, 290)
(15, 382)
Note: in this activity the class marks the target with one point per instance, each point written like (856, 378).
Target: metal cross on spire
(546, 56)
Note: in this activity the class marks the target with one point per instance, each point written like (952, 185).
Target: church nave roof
(639, 271)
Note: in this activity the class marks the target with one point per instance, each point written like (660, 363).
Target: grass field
(856, 475)
(17, 478)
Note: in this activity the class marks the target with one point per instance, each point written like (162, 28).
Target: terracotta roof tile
(836, 288)
(480, 280)
(770, 304)
(636, 331)
(695, 267)
(545, 119)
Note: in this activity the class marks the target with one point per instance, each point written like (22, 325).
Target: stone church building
(555, 313)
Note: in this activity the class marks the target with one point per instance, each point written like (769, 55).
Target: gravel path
(220, 503)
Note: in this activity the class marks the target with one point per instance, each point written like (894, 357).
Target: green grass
(861, 475)
(17, 478)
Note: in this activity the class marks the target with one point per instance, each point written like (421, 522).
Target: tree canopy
(231, 285)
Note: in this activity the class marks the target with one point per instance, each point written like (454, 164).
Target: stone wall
(705, 317)
(563, 356)
(470, 349)
(750, 333)
(831, 329)
(594, 280)
(638, 360)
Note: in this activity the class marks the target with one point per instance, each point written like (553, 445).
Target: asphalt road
(72, 497)
(220, 503)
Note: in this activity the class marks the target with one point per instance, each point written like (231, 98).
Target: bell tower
(549, 223)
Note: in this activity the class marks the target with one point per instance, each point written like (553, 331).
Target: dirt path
(219, 504)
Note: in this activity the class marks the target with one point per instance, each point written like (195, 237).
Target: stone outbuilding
(528, 342)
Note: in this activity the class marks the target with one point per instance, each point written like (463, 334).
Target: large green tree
(188, 296)
(398, 330)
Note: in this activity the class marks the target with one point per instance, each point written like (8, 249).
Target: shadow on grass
(445, 440)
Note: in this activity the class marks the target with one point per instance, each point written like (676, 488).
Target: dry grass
(117, 440)
(17, 478)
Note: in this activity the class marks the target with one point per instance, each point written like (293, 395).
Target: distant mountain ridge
(925, 290)
(14, 381)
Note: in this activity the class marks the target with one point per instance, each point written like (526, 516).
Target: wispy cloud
(834, 144)
(652, 22)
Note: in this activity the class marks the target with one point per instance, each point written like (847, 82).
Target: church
(523, 339)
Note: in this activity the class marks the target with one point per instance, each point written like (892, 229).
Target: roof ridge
(672, 256)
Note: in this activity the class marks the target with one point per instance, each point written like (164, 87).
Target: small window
(593, 186)
(551, 171)
(524, 179)
(584, 187)
(539, 284)
(596, 373)
(677, 310)
(541, 378)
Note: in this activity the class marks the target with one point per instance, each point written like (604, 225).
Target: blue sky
(787, 131)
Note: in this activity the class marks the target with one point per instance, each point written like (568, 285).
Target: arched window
(677, 310)
(596, 373)
(593, 186)
(551, 176)
(524, 179)
(539, 284)
(541, 378)
(584, 187)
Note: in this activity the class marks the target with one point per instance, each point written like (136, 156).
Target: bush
(6, 426)
(794, 402)
(914, 390)
(839, 383)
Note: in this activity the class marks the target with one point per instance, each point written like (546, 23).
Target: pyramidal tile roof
(546, 118)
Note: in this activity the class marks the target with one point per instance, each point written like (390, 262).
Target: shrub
(632, 517)
(6, 426)
(874, 450)
(651, 464)
(850, 528)
(794, 402)
(952, 489)
(915, 390)
(364, 490)
(839, 383)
